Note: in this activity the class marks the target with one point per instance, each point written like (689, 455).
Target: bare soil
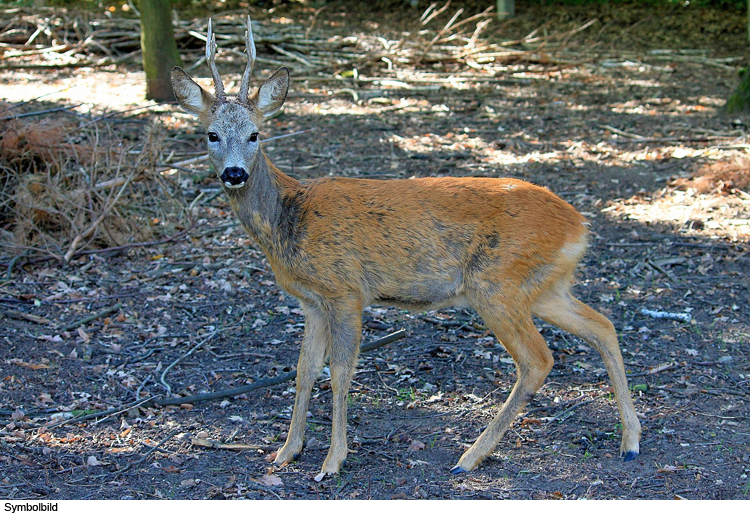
(638, 144)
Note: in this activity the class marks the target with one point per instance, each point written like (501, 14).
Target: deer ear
(272, 93)
(192, 98)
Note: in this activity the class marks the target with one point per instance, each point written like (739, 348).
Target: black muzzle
(234, 177)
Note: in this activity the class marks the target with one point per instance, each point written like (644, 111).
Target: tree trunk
(507, 9)
(739, 101)
(159, 48)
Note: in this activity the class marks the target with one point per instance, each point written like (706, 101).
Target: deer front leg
(345, 334)
(315, 344)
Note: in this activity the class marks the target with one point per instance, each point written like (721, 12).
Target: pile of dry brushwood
(67, 183)
(51, 37)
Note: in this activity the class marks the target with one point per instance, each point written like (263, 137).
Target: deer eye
(254, 137)
(213, 137)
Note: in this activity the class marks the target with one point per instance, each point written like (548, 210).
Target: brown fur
(505, 247)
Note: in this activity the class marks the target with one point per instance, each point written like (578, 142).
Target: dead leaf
(18, 433)
(679, 497)
(271, 480)
(32, 366)
(51, 339)
(661, 367)
(416, 445)
(83, 335)
(116, 450)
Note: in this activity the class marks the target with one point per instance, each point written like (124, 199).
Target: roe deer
(505, 247)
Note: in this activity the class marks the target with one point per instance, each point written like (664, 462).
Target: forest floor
(637, 143)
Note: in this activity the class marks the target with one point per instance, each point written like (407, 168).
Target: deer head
(232, 125)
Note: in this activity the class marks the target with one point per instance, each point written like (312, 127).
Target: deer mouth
(234, 177)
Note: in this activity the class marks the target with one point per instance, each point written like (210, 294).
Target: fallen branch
(157, 446)
(187, 354)
(684, 317)
(112, 249)
(390, 338)
(92, 317)
(567, 413)
(40, 112)
(95, 224)
(17, 314)
(205, 442)
(654, 370)
(622, 132)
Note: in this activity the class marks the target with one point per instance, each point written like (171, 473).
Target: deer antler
(250, 46)
(210, 59)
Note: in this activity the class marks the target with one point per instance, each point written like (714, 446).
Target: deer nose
(234, 176)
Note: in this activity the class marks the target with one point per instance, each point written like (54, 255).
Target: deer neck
(269, 206)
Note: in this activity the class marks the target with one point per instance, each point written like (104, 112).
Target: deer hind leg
(561, 309)
(533, 363)
(316, 343)
(346, 329)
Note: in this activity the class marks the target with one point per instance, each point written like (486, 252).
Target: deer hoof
(457, 470)
(283, 458)
(629, 455)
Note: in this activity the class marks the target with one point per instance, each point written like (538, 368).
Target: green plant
(405, 395)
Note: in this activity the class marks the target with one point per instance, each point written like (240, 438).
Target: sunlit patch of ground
(114, 90)
(712, 201)
(689, 213)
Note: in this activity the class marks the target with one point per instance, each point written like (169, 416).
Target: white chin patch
(232, 186)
